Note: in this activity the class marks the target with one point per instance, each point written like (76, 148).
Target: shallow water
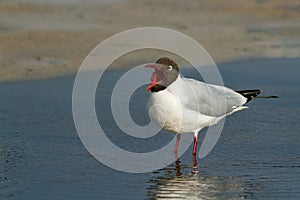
(257, 156)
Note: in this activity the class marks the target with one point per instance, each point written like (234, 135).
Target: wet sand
(48, 39)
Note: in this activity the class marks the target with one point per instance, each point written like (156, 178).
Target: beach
(43, 39)
(255, 44)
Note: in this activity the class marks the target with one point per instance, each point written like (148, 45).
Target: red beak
(157, 77)
(153, 83)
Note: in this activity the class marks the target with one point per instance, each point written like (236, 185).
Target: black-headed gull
(183, 105)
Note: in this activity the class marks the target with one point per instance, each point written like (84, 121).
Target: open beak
(157, 77)
(153, 83)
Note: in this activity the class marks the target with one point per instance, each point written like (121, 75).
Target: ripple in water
(181, 181)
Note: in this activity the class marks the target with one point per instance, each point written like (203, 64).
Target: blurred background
(49, 38)
(255, 43)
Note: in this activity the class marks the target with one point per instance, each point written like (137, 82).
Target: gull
(183, 105)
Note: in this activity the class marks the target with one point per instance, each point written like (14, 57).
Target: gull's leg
(177, 142)
(177, 167)
(195, 167)
(195, 142)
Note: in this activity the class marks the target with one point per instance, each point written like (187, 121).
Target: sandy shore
(40, 40)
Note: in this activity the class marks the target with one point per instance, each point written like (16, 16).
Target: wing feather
(207, 99)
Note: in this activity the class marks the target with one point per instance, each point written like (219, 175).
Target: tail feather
(253, 94)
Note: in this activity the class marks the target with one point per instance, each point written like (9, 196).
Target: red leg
(177, 142)
(195, 144)
(195, 168)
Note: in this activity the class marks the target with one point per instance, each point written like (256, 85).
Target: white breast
(166, 109)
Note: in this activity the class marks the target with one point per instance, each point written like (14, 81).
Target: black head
(166, 72)
(168, 62)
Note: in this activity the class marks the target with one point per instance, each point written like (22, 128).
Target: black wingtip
(267, 97)
(249, 94)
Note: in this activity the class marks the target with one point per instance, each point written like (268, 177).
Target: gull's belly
(166, 109)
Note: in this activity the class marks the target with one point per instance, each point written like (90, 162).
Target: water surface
(257, 156)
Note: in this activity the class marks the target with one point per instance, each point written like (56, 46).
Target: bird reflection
(178, 167)
(180, 181)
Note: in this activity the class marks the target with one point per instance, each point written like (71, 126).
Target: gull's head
(166, 72)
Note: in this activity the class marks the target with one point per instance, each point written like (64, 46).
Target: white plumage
(188, 105)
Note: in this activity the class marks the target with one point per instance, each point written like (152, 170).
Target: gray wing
(211, 100)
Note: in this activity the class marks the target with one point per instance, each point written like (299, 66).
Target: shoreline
(221, 67)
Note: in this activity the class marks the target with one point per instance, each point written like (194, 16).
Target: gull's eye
(170, 67)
